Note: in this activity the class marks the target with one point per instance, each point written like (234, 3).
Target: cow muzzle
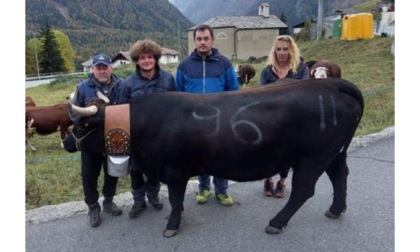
(320, 72)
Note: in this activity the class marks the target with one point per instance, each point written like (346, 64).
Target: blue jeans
(220, 184)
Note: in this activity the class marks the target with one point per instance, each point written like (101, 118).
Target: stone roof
(87, 63)
(167, 51)
(245, 22)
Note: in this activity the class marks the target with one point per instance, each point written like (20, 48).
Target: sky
(407, 191)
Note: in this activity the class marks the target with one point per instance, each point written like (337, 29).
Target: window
(221, 35)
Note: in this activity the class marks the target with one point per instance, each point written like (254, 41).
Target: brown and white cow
(244, 135)
(29, 101)
(325, 69)
(45, 120)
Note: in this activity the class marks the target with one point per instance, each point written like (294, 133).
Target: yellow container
(357, 26)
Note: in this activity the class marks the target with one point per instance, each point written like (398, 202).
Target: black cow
(246, 73)
(244, 135)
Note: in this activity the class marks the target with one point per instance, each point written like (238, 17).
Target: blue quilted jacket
(136, 85)
(213, 74)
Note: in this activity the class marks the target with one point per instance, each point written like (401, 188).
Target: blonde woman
(284, 61)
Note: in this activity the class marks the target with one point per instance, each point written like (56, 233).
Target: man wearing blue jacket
(103, 80)
(206, 71)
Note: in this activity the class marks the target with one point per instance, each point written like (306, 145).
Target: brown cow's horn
(102, 96)
(84, 112)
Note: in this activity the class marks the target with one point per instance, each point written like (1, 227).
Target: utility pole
(319, 23)
(36, 55)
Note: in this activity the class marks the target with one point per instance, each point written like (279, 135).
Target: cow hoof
(329, 214)
(170, 233)
(272, 230)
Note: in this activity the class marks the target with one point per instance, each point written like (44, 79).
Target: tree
(32, 56)
(33, 48)
(377, 17)
(66, 50)
(51, 60)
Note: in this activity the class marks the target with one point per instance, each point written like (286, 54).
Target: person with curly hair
(147, 79)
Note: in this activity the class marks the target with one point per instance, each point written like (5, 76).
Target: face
(203, 42)
(282, 51)
(102, 73)
(146, 62)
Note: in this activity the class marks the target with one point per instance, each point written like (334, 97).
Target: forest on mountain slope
(109, 26)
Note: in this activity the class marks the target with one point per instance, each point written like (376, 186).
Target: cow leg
(177, 185)
(304, 179)
(29, 134)
(338, 172)
(63, 133)
(28, 144)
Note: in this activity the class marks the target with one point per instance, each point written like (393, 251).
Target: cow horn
(84, 112)
(102, 96)
(312, 72)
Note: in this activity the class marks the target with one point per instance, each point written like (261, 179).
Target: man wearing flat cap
(102, 79)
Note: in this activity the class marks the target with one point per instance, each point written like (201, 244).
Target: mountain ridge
(295, 11)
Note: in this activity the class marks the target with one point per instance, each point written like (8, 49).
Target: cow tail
(353, 91)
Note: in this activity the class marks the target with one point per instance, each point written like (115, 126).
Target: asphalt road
(368, 225)
(35, 83)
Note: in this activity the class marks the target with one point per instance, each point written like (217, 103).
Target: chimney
(264, 10)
